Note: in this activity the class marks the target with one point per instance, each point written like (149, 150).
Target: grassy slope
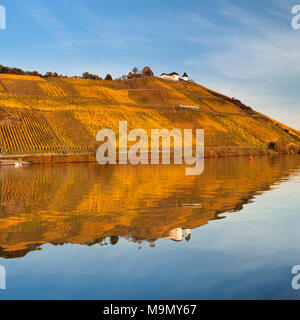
(41, 115)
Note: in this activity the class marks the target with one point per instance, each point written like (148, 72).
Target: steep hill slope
(55, 114)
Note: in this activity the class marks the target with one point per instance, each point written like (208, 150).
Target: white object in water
(198, 205)
(18, 164)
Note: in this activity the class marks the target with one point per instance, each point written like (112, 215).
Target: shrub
(280, 146)
(294, 148)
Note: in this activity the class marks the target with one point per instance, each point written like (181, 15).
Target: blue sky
(246, 49)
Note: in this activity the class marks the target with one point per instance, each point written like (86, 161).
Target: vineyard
(2, 88)
(32, 134)
(52, 90)
(69, 130)
(64, 114)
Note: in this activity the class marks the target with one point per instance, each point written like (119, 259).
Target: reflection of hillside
(86, 203)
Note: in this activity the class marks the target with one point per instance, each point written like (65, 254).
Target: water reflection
(88, 204)
(177, 234)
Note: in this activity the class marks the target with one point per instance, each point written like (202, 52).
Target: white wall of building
(173, 77)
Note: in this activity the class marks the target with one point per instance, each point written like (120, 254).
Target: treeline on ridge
(135, 73)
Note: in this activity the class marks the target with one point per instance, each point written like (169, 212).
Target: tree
(147, 71)
(135, 70)
(90, 76)
(108, 77)
(114, 240)
(85, 75)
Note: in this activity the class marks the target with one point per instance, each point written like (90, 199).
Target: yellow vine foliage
(20, 77)
(52, 90)
(86, 91)
(69, 112)
(1, 88)
(30, 133)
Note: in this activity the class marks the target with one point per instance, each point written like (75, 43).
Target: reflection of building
(177, 234)
(188, 234)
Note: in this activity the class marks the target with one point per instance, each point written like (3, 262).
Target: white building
(170, 76)
(185, 77)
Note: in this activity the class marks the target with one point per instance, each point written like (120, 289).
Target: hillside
(64, 114)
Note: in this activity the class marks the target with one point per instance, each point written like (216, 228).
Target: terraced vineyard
(20, 87)
(69, 130)
(32, 133)
(52, 90)
(65, 114)
(2, 89)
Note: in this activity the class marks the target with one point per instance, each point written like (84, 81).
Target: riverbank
(48, 158)
(210, 152)
(13, 162)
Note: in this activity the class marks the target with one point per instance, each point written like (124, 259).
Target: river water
(85, 231)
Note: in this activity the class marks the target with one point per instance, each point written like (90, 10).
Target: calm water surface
(82, 231)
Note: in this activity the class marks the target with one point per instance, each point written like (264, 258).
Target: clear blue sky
(246, 49)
